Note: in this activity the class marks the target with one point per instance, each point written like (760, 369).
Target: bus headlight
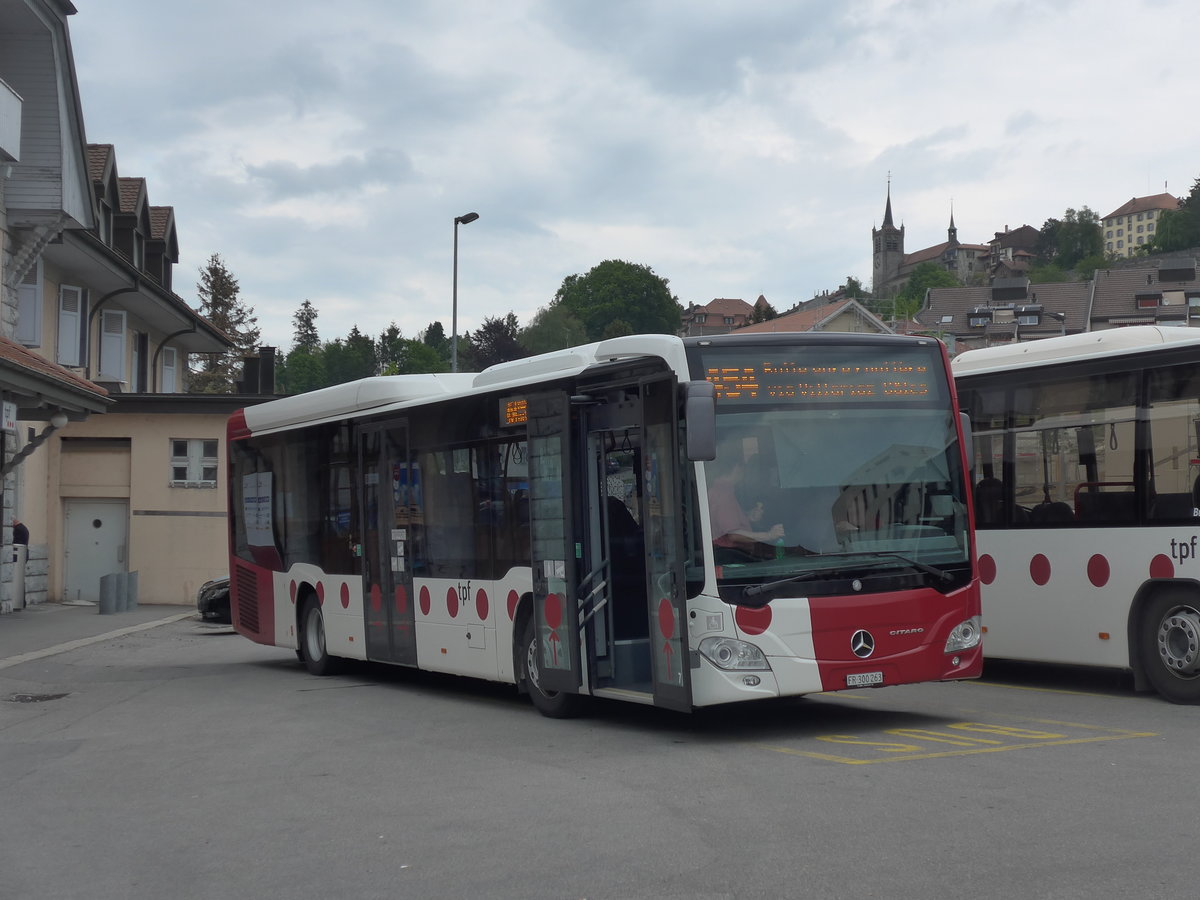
(730, 654)
(964, 636)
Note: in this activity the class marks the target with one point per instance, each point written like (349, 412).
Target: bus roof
(1072, 348)
(385, 392)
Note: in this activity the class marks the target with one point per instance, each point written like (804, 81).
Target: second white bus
(1087, 499)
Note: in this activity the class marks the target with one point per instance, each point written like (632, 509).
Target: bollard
(108, 596)
(131, 591)
(120, 591)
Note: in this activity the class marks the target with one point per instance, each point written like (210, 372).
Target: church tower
(887, 253)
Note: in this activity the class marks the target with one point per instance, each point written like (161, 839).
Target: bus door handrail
(600, 586)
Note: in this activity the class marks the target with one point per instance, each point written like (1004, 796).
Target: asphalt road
(184, 761)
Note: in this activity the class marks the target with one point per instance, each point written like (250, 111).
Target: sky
(736, 148)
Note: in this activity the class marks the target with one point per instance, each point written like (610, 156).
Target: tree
(1178, 229)
(302, 371)
(553, 327)
(416, 358)
(762, 311)
(218, 291)
(854, 289)
(925, 276)
(434, 337)
(615, 292)
(1064, 242)
(496, 341)
(1048, 273)
(350, 359)
(305, 335)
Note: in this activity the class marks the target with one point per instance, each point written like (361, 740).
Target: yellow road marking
(906, 751)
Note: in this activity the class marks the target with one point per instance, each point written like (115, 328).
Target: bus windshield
(833, 459)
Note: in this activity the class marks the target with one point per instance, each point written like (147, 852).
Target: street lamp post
(464, 219)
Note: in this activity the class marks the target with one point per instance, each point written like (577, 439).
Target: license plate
(862, 679)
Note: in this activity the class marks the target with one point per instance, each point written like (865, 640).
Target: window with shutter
(29, 307)
(112, 344)
(70, 325)
(168, 370)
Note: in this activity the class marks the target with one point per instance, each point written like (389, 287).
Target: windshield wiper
(754, 590)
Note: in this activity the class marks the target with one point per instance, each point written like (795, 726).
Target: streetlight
(464, 219)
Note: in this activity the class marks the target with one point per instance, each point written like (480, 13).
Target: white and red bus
(1088, 501)
(545, 522)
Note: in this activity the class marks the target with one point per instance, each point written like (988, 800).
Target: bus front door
(554, 549)
(390, 506)
(662, 518)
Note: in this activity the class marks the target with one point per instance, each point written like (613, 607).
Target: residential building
(90, 311)
(1009, 309)
(719, 316)
(1132, 224)
(1163, 292)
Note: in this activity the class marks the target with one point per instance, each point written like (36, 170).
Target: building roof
(38, 384)
(1118, 290)
(815, 318)
(1142, 204)
(949, 310)
(724, 306)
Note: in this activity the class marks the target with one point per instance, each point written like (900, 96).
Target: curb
(95, 639)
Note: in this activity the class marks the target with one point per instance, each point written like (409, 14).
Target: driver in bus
(732, 526)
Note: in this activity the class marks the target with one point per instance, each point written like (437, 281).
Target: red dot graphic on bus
(481, 604)
(376, 598)
(452, 602)
(666, 618)
(345, 595)
(401, 599)
(553, 610)
(321, 592)
(1039, 569)
(424, 601)
(1162, 567)
(292, 591)
(513, 600)
(1098, 570)
(987, 569)
(753, 621)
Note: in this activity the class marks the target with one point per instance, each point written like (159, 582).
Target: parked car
(212, 600)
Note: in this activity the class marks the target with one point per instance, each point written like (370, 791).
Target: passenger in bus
(732, 527)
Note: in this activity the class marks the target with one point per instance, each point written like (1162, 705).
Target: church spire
(887, 212)
(952, 232)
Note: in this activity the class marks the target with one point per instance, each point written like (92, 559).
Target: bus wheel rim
(1179, 642)
(315, 635)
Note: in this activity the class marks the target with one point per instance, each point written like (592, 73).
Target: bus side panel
(1049, 595)
(252, 602)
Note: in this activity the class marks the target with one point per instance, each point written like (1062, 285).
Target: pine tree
(216, 373)
(304, 321)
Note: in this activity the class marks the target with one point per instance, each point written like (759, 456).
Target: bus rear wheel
(554, 704)
(1170, 645)
(312, 641)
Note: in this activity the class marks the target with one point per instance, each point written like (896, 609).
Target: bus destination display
(849, 380)
(514, 411)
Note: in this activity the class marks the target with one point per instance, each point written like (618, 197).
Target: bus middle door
(389, 506)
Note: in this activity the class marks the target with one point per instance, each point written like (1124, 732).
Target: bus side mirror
(968, 442)
(700, 414)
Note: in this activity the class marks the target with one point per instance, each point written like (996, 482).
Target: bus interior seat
(1173, 506)
(1052, 513)
(1099, 506)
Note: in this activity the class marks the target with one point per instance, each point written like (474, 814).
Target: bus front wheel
(555, 704)
(1170, 645)
(312, 640)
